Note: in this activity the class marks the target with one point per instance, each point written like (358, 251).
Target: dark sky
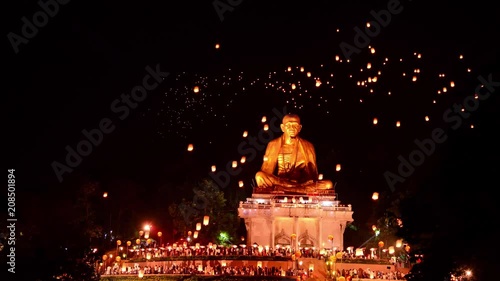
(65, 78)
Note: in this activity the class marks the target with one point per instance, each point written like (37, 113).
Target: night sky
(427, 58)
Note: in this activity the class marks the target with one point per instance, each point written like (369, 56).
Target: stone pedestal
(297, 221)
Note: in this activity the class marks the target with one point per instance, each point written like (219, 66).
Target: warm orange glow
(426, 118)
(206, 220)
(129, 243)
(398, 124)
(195, 235)
(235, 164)
(214, 168)
(245, 134)
(190, 147)
(243, 159)
(375, 196)
(196, 89)
(338, 167)
(266, 127)
(118, 242)
(198, 226)
(452, 84)
(381, 244)
(240, 184)
(308, 74)
(375, 121)
(217, 46)
(293, 86)
(105, 195)
(320, 177)
(369, 65)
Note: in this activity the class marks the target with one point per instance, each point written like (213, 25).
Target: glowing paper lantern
(243, 159)
(105, 195)
(195, 235)
(214, 168)
(301, 69)
(118, 242)
(308, 74)
(452, 84)
(426, 118)
(189, 233)
(217, 46)
(318, 83)
(235, 164)
(264, 119)
(129, 243)
(381, 244)
(320, 177)
(138, 241)
(294, 87)
(338, 167)
(375, 196)
(369, 65)
(399, 243)
(196, 89)
(372, 50)
(359, 252)
(391, 250)
(206, 220)
(190, 147)
(398, 124)
(375, 121)
(374, 227)
(198, 226)
(245, 134)
(240, 184)
(289, 68)
(266, 127)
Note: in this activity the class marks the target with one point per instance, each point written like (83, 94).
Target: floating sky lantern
(375, 196)
(195, 235)
(198, 226)
(243, 159)
(372, 50)
(206, 220)
(217, 46)
(399, 243)
(196, 89)
(398, 124)
(318, 83)
(266, 127)
(375, 121)
(214, 168)
(369, 65)
(301, 69)
(320, 177)
(289, 69)
(240, 184)
(391, 250)
(245, 134)
(308, 74)
(190, 147)
(337, 58)
(293, 86)
(427, 118)
(338, 167)
(264, 119)
(452, 84)
(235, 164)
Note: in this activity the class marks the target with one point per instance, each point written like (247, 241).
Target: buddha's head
(290, 125)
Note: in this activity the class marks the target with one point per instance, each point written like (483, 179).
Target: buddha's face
(291, 126)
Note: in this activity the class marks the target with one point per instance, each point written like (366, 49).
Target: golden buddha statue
(290, 162)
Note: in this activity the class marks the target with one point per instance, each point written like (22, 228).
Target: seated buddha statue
(290, 162)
